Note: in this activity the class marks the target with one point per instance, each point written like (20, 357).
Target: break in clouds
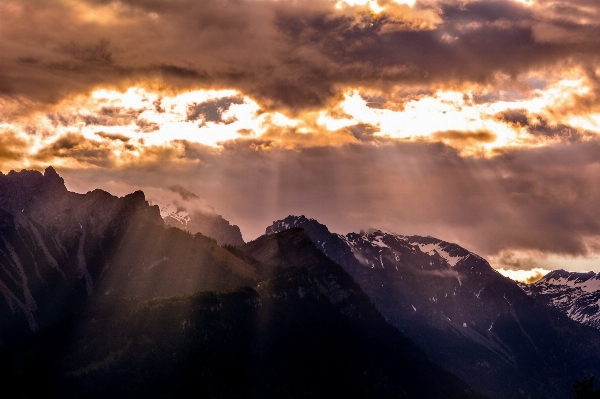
(473, 121)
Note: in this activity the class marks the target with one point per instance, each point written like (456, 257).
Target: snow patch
(378, 242)
(170, 210)
(82, 265)
(589, 285)
(432, 249)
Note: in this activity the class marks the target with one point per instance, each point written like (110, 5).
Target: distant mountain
(307, 331)
(468, 318)
(190, 213)
(58, 248)
(575, 294)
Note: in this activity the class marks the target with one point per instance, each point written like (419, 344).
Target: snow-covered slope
(575, 294)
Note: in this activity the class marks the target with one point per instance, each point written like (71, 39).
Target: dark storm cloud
(146, 126)
(74, 146)
(185, 194)
(363, 131)
(539, 127)
(212, 110)
(465, 137)
(283, 53)
(112, 116)
(12, 147)
(114, 136)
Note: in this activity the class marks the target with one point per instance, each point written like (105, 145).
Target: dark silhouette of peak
(289, 248)
(50, 173)
(59, 248)
(561, 274)
(306, 329)
(16, 186)
(300, 277)
(297, 221)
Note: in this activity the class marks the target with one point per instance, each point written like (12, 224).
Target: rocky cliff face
(58, 248)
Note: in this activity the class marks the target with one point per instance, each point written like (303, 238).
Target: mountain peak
(560, 277)
(29, 185)
(50, 173)
(295, 221)
(575, 294)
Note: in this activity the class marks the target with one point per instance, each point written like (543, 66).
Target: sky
(477, 122)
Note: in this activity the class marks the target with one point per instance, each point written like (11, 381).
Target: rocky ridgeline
(58, 248)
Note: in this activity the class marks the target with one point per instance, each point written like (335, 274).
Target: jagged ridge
(57, 248)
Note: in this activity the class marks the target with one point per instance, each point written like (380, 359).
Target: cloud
(213, 110)
(358, 118)
(524, 276)
(540, 128)
(76, 148)
(285, 54)
(528, 199)
(465, 137)
(445, 273)
(114, 136)
(535, 277)
(13, 146)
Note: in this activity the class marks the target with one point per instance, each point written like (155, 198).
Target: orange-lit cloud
(524, 276)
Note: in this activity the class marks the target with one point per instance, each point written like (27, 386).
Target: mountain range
(467, 317)
(57, 248)
(102, 297)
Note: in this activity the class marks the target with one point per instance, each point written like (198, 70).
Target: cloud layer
(474, 121)
(285, 53)
(542, 200)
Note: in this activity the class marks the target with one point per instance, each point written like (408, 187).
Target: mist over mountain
(467, 317)
(187, 211)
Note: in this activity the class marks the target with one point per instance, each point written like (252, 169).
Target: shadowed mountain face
(471, 320)
(308, 331)
(575, 294)
(57, 248)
